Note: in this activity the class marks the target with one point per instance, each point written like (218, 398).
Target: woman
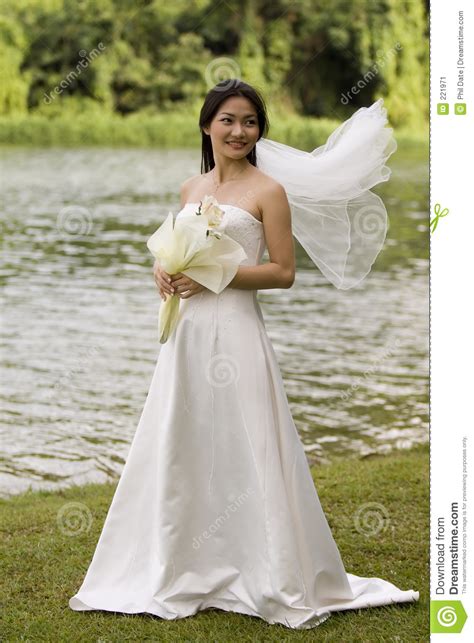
(216, 506)
(232, 134)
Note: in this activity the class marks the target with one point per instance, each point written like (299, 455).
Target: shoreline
(6, 496)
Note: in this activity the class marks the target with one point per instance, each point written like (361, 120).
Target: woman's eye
(250, 122)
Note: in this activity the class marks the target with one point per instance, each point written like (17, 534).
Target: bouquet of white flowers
(193, 245)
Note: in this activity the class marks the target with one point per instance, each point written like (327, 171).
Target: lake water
(79, 317)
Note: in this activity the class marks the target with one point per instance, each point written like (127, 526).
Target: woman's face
(235, 121)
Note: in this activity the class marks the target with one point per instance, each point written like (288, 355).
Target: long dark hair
(214, 98)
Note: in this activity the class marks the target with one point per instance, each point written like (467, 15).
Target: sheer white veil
(340, 223)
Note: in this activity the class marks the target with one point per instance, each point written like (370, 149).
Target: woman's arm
(279, 272)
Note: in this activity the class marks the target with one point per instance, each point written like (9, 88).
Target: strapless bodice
(240, 225)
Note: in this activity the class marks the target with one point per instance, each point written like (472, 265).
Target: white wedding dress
(216, 506)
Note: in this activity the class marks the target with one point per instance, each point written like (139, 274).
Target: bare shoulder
(186, 187)
(272, 198)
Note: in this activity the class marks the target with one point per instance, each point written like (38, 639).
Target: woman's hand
(162, 280)
(177, 284)
(185, 286)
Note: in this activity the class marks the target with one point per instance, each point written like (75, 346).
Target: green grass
(43, 567)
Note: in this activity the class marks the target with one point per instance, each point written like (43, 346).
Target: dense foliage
(151, 56)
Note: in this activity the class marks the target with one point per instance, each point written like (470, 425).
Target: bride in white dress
(216, 506)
